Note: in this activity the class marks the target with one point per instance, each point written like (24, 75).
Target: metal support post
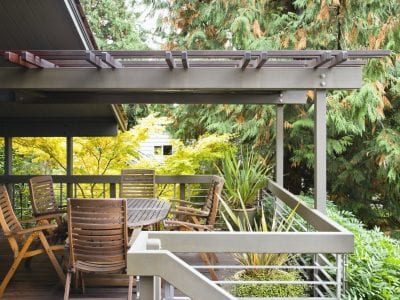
(320, 151)
(8, 163)
(150, 286)
(70, 164)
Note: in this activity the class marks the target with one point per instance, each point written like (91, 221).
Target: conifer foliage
(363, 125)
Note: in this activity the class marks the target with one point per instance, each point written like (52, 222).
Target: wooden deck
(41, 281)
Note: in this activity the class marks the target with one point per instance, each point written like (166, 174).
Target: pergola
(94, 78)
(55, 82)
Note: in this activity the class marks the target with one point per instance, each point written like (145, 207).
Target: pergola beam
(185, 60)
(197, 80)
(36, 60)
(110, 61)
(47, 127)
(284, 97)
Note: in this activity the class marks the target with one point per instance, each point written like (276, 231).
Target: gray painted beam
(284, 97)
(162, 79)
(46, 127)
(320, 151)
(258, 242)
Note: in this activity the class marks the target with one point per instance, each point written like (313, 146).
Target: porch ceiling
(55, 25)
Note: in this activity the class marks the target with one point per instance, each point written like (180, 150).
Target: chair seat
(100, 267)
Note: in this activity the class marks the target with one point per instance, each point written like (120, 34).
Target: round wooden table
(144, 212)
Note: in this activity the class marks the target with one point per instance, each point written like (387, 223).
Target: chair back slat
(212, 202)
(97, 231)
(42, 195)
(137, 183)
(8, 219)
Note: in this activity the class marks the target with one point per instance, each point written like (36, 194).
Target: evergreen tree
(363, 125)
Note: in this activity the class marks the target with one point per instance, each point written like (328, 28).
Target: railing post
(70, 164)
(150, 286)
(113, 190)
(339, 275)
(182, 191)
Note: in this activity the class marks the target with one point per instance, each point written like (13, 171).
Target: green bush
(269, 290)
(373, 270)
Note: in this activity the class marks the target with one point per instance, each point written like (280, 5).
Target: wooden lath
(190, 59)
(28, 60)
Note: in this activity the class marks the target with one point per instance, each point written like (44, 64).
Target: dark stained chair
(43, 200)
(138, 183)
(21, 239)
(98, 239)
(187, 217)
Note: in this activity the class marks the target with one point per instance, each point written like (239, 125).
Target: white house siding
(146, 148)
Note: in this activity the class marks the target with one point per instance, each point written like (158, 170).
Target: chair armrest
(183, 202)
(187, 225)
(191, 209)
(42, 217)
(188, 213)
(35, 229)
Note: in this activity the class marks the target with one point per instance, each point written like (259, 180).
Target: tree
(363, 125)
(113, 24)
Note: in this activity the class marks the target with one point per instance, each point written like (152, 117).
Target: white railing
(317, 247)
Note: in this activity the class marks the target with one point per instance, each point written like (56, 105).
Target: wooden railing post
(113, 190)
(182, 191)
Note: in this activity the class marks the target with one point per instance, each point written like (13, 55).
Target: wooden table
(144, 212)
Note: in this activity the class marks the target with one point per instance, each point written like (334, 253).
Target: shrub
(373, 270)
(270, 290)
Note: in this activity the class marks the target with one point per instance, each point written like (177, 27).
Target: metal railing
(316, 246)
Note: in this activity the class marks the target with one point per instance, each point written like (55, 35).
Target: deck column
(8, 162)
(70, 164)
(320, 139)
(279, 144)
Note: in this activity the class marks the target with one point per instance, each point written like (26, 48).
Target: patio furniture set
(94, 232)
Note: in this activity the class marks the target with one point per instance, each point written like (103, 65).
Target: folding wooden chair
(98, 239)
(17, 236)
(187, 217)
(137, 183)
(43, 200)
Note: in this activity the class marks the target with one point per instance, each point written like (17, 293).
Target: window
(157, 150)
(167, 150)
(163, 150)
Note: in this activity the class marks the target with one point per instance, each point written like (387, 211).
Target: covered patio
(67, 92)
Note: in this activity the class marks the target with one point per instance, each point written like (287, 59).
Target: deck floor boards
(41, 280)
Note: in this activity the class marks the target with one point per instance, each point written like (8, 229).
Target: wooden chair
(137, 183)
(98, 239)
(43, 200)
(17, 236)
(187, 217)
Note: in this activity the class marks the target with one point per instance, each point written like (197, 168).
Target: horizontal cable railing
(315, 245)
(315, 248)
